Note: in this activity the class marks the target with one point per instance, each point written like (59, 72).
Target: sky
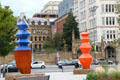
(28, 6)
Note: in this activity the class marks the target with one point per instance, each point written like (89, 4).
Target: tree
(54, 43)
(57, 41)
(49, 43)
(69, 26)
(7, 31)
(118, 10)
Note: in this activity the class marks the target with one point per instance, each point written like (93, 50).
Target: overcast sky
(28, 6)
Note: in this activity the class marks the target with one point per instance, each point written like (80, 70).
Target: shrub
(91, 76)
(118, 68)
(111, 72)
(99, 70)
(116, 75)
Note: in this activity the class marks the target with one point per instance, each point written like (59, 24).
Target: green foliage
(54, 43)
(103, 75)
(49, 43)
(7, 31)
(94, 76)
(91, 76)
(117, 6)
(115, 75)
(69, 26)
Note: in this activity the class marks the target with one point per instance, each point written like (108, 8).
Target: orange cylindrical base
(23, 60)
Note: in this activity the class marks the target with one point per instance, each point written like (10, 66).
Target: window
(35, 38)
(39, 46)
(39, 38)
(43, 38)
(39, 23)
(110, 8)
(106, 8)
(36, 46)
(111, 36)
(113, 21)
(110, 21)
(45, 23)
(83, 15)
(82, 4)
(92, 23)
(114, 36)
(113, 8)
(106, 20)
(107, 36)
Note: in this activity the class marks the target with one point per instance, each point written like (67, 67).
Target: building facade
(40, 31)
(65, 7)
(59, 23)
(99, 18)
(51, 7)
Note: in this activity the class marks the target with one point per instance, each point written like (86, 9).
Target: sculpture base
(82, 71)
(12, 76)
(23, 60)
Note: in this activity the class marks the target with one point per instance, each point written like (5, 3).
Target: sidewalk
(2, 78)
(65, 76)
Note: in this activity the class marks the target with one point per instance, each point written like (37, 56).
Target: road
(54, 68)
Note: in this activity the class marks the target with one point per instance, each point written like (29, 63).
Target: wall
(49, 58)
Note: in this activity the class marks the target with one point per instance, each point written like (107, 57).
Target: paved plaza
(65, 76)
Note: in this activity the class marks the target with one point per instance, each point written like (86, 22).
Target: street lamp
(32, 53)
(93, 10)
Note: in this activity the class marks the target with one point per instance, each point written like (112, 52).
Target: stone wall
(49, 58)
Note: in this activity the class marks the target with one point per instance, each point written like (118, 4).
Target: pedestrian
(61, 67)
(76, 65)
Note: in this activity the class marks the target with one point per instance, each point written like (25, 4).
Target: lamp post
(32, 53)
(93, 13)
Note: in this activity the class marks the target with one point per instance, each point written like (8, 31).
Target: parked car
(11, 67)
(65, 62)
(101, 60)
(109, 62)
(75, 63)
(38, 64)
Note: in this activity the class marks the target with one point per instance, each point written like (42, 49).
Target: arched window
(45, 23)
(39, 22)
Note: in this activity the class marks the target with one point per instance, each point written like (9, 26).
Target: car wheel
(42, 66)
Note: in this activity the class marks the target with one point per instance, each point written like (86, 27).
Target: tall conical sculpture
(85, 58)
(23, 53)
